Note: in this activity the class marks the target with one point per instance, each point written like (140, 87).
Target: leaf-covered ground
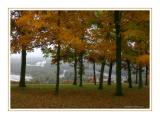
(70, 96)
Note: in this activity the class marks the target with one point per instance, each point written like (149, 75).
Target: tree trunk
(129, 74)
(117, 20)
(136, 76)
(110, 73)
(23, 69)
(140, 77)
(75, 69)
(94, 72)
(146, 82)
(81, 69)
(101, 76)
(58, 69)
(58, 59)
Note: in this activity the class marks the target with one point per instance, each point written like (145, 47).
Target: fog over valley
(40, 70)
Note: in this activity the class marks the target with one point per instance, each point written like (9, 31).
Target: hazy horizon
(36, 53)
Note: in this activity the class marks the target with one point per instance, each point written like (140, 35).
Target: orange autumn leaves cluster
(143, 59)
(23, 33)
(41, 28)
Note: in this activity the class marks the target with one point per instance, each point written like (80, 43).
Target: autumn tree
(108, 33)
(136, 40)
(22, 37)
(78, 23)
(101, 36)
(51, 21)
(117, 21)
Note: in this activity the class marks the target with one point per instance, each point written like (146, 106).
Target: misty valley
(40, 70)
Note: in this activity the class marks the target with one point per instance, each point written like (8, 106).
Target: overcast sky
(37, 53)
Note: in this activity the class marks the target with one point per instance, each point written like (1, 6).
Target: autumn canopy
(105, 38)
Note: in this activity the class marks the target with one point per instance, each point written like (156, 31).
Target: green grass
(70, 96)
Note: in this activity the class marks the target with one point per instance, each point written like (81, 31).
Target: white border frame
(85, 109)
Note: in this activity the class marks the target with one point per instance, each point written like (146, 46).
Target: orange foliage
(143, 59)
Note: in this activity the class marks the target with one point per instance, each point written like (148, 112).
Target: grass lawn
(70, 96)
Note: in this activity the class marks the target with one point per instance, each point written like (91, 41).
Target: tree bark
(140, 77)
(146, 82)
(94, 72)
(75, 69)
(101, 76)
(117, 20)
(81, 69)
(110, 73)
(58, 59)
(23, 69)
(129, 74)
(136, 76)
(58, 69)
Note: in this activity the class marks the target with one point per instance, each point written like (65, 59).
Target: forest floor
(70, 96)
